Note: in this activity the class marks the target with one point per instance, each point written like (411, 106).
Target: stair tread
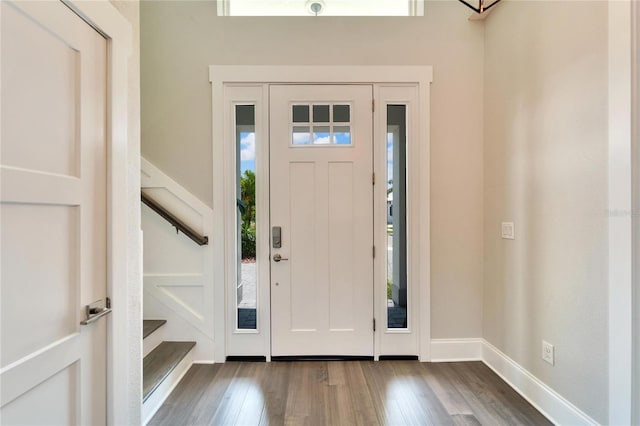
(160, 363)
(149, 326)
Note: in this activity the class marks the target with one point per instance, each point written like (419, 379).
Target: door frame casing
(124, 240)
(379, 76)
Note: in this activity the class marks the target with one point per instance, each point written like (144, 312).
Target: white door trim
(635, 152)
(620, 214)
(219, 75)
(124, 256)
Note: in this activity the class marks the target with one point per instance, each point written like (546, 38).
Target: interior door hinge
(374, 252)
(373, 178)
(373, 105)
(374, 324)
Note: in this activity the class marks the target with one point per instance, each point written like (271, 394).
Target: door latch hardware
(276, 235)
(97, 310)
(278, 257)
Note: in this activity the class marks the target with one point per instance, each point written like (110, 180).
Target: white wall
(178, 273)
(130, 9)
(181, 39)
(545, 162)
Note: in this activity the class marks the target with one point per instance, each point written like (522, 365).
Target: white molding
(311, 74)
(153, 177)
(635, 151)
(124, 377)
(455, 350)
(537, 393)
(620, 213)
(160, 287)
(237, 75)
(424, 239)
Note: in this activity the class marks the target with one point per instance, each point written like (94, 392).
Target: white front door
(53, 216)
(321, 164)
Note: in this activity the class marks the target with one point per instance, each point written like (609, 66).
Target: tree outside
(247, 207)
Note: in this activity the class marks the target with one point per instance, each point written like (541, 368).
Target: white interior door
(53, 216)
(321, 167)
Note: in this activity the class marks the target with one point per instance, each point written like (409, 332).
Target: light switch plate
(508, 231)
(548, 352)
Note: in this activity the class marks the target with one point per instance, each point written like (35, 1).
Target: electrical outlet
(548, 353)
(508, 231)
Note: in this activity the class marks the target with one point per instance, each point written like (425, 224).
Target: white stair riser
(152, 341)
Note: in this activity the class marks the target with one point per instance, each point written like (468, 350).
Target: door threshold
(322, 358)
(246, 358)
(398, 357)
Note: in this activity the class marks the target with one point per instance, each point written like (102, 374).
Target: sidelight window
(247, 283)
(396, 179)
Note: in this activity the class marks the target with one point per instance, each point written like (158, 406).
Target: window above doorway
(320, 8)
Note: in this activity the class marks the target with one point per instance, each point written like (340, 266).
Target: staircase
(164, 365)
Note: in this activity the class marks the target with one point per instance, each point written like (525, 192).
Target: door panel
(322, 197)
(57, 401)
(342, 258)
(50, 96)
(302, 177)
(50, 235)
(52, 216)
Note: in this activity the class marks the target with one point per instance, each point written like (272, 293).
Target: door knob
(277, 257)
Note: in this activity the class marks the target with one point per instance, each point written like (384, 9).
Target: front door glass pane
(246, 294)
(321, 124)
(397, 288)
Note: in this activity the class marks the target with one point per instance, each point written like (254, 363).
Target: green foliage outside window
(247, 205)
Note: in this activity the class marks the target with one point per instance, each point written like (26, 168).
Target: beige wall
(545, 163)
(180, 39)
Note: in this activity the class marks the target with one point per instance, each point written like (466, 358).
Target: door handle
(277, 257)
(95, 311)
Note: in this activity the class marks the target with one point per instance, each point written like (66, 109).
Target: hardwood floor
(345, 393)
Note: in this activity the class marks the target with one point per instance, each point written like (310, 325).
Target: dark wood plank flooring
(345, 393)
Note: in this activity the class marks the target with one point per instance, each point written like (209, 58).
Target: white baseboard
(546, 400)
(451, 350)
(551, 404)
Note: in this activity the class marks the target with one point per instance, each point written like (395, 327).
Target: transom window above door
(320, 8)
(321, 124)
